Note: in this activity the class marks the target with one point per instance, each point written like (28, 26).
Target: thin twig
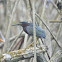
(8, 31)
(14, 41)
(29, 40)
(47, 55)
(34, 31)
(55, 6)
(12, 38)
(58, 33)
(55, 21)
(18, 44)
(44, 6)
(25, 40)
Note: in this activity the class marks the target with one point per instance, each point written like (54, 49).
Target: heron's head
(21, 24)
(2, 40)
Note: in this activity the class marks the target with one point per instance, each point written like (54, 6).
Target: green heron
(28, 28)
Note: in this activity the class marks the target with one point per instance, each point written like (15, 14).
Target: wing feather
(39, 32)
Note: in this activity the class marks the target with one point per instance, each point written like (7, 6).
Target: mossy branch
(21, 54)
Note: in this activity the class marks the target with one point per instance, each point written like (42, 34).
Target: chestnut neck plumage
(25, 24)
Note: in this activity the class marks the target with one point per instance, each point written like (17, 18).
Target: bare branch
(14, 41)
(34, 31)
(21, 54)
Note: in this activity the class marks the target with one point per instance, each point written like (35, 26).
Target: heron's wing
(30, 29)
(40, 32)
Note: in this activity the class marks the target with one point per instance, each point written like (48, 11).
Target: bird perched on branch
(28, 28)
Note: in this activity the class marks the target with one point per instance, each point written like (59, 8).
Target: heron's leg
(46, 49)
(42, 41)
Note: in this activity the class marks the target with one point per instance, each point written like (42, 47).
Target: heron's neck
(24, 28)
(25, 25)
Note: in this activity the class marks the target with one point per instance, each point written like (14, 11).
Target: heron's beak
(17, 24)
(1, 40)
